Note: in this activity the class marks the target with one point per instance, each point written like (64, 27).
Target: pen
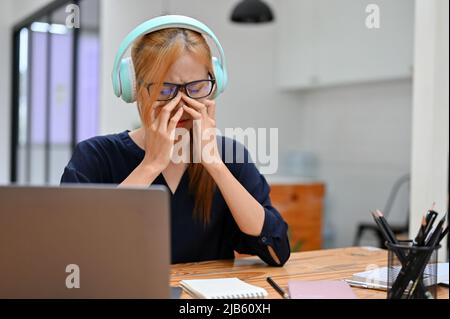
(444, 232)
(416, 266)
(283, 293)
(359, 284)
(430, 218)
(388, 235)
(420, 235)
(433, 234)
(386, 226)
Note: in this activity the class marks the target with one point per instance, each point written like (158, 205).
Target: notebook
(322, 289)
(222, 288)
(374, 279)
(377, 278)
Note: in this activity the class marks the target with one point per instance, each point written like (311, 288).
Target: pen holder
(412, 271)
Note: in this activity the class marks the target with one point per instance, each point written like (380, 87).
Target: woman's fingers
(166, 110)
(199, 107)
(153, 114)
(195, 115)
(174, 120)
(144, 97)
(211, 108)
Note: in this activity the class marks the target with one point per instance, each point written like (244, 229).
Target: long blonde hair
(152, 55)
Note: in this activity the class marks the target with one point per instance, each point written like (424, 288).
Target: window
(55, 89)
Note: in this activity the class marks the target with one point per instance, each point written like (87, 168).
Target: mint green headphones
(123, 74)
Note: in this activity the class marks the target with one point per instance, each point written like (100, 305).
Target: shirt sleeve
(84, 166)
(274, 231)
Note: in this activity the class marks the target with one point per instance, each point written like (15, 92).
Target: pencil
(431, 217)
(420, 235)
(386, 225)
(445, 232)
(438, 228)
(278, 289)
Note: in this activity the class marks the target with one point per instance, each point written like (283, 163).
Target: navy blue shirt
(110, 159)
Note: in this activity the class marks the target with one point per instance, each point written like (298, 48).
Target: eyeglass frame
(183, 86)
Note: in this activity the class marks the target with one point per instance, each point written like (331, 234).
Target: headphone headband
(159, 23)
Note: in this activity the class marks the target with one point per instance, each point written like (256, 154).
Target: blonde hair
(153, 54)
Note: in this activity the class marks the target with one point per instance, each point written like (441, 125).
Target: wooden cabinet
(301, 206)
(326, 42)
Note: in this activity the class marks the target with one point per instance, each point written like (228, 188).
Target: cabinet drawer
(301, 206)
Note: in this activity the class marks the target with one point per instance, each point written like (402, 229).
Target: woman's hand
(158, 144)
(160, 135)
(204, 130)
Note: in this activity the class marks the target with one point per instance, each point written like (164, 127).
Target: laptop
(84, 242)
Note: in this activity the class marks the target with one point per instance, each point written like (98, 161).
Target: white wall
(431, 111)
(23, 8)
(361, 135)
(116, 115)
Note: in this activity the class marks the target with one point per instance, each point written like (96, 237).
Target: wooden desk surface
(313, 265)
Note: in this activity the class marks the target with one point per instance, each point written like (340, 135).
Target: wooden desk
(313, 265)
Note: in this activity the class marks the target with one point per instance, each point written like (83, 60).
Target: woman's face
(186, 69)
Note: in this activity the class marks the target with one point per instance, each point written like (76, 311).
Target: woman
(216, 207)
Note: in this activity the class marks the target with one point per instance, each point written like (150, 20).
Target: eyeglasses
(195, 89)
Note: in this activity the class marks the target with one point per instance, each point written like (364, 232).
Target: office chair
(396, 228)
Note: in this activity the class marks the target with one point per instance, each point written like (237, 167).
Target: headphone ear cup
(127, 78)
(221, 81)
